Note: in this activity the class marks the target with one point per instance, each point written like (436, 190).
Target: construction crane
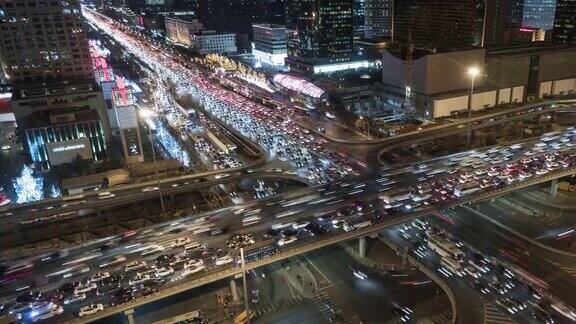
(408, 107)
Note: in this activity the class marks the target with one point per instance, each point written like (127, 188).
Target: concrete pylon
(233, 290)
(130, 315)
(362, 246)
(553, 187)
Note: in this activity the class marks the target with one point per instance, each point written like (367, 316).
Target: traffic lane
(372, 298)
(493, 241)
(495, 211)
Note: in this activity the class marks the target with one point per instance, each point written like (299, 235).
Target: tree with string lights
(28, 188)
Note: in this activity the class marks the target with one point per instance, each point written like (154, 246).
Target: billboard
(66, 151)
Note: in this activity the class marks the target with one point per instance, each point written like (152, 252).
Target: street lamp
(145, 113)
(473, 71)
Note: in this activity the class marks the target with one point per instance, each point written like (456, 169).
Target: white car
(193, 263)
(190, 270)
(105, 195)
(181, 241)
(74, 298)
(147, 189)
(192, 246)
(82, 289)
(138, 280)
(163, 272)
(90, 310)
(99, 276)
(224, 259)
(134, 265)
(300, 225)
(287, 240)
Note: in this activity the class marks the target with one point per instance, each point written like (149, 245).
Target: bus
(444, 248)
(466, 189)
(451, 265)
(395, 196)
(352, 224)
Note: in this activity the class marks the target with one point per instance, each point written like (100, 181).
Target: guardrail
(417, 134)
(297, 249)
(431, 274)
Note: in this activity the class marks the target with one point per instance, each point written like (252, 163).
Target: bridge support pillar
(362, 246)
(233, 289)
(553, 187)
(130, 315)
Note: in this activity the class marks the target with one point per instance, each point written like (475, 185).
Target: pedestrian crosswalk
(442, 318)
(493, 315)
(331, 312)
(549, 220)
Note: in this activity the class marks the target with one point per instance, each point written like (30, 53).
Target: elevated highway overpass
(230, 271)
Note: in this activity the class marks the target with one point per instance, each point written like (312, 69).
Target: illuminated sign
(68, 148)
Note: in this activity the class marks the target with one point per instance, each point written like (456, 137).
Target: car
(84, 288)
(193, 246)
(472, 272)
(192, 263)
(99, 276)
(227, 258)
(56, 310)
(300, 225)
(163, 272)
(138, 280)
(122, 296)
(181, 241)
(106, 195)
(148, 189)
(90, 310)
(18, 308)
(286, 240)
(542, 317)
(74, 298)
(135, 265)
(359, 274)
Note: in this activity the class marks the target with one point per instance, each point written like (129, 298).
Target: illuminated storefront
(57, 144)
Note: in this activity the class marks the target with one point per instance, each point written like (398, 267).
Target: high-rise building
(269, 43)
(320, 28)
(497, 22)
(58, 107)
(539, 14)
(180, 29)
(378, 19)
(43, 43)
(359, 19)
(439, 23)
(565, 22)
(516, 13)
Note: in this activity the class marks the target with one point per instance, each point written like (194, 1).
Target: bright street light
(473, 71)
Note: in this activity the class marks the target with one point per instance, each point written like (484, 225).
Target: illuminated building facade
(269, 43)
(320, 28)
(180, 29)
(565, 22)
(55, 99)
(43, 41)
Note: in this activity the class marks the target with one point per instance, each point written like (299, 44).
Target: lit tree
(55, 192)
(27, 187)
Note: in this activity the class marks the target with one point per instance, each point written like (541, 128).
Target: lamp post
(145, 113)
(472, 72)
(245, 285)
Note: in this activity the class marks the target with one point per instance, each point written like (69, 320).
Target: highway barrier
(300, 248)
